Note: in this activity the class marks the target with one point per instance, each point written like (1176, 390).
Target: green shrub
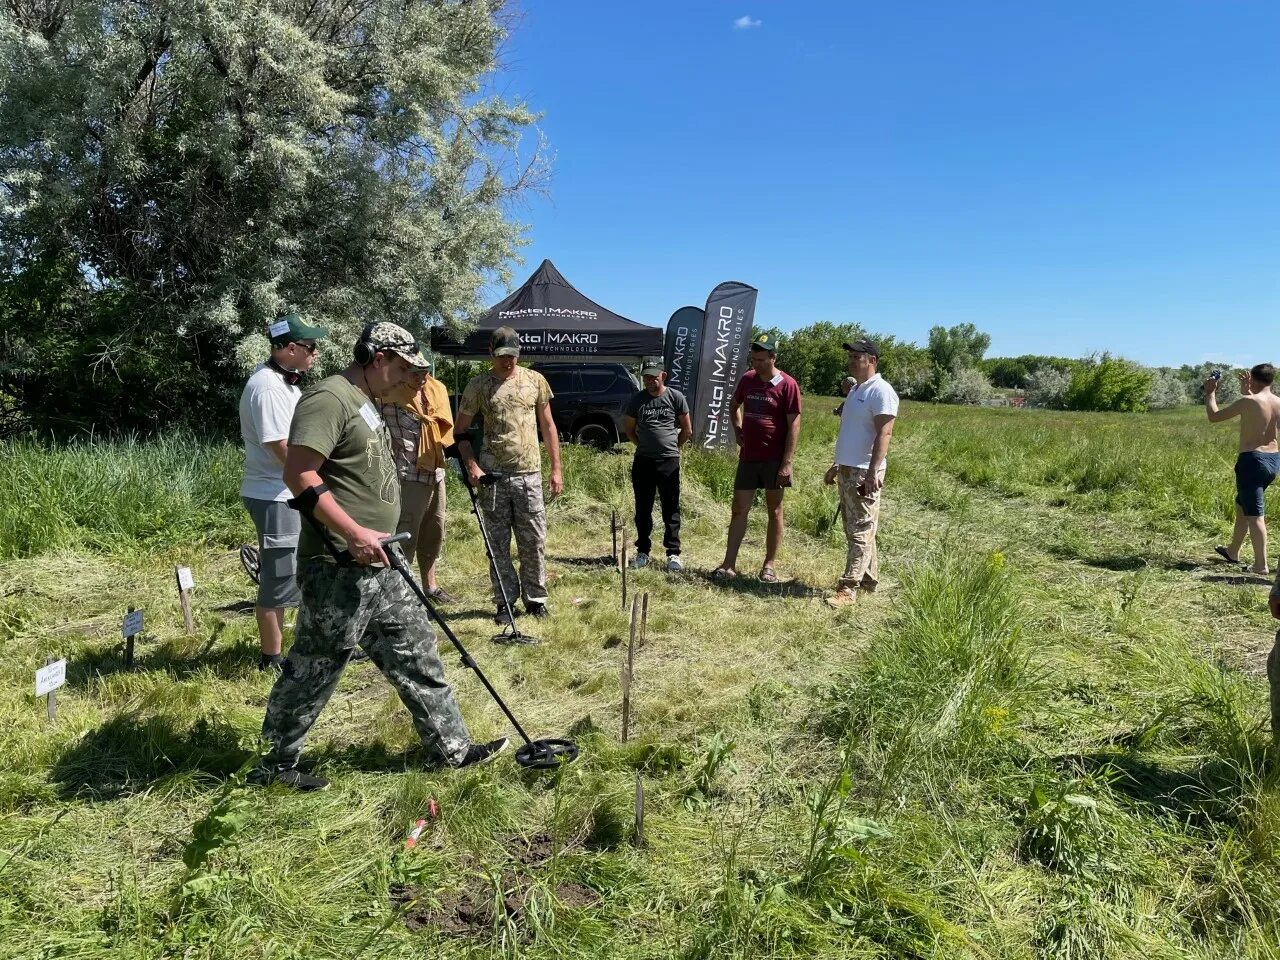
(1109, 384)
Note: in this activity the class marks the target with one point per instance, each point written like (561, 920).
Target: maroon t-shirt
(765, 407)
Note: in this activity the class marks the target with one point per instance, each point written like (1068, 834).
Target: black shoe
(538, 610)
(271, 661)
(479, 753)
(292, 778)
(500, 616)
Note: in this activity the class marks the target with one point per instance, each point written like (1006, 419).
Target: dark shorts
(757, 475)
(1254, 473)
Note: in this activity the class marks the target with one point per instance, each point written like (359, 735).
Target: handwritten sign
(132, 625)
(278, 329)
(185, 580)
(50, 678)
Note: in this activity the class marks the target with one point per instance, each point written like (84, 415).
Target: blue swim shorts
(1254, 473)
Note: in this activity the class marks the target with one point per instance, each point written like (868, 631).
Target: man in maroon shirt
(767, 430)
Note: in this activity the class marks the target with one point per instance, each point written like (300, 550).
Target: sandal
(1222, 552)
(722, 575)
(768, 575)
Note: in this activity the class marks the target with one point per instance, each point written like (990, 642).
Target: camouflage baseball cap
(396, 339)
(505, 342)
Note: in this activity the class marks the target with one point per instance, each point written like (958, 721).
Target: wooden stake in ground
(624, 569)
(638, 837)
(185, 583)
(131, 627)
(48, 680)
(628, 666)
(613, 529)
(644, 618)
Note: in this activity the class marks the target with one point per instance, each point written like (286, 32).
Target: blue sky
(1071, 177)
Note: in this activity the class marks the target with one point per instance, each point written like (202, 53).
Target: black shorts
(757, 475)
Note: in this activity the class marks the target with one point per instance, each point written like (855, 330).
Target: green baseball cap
(765, 341)
(291, 328)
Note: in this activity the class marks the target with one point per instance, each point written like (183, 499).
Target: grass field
(1046, 736)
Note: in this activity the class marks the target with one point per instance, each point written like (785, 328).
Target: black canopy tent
(556, 323)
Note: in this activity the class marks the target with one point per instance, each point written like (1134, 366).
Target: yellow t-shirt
(509, 408)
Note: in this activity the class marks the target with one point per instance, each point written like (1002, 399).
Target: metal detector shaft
(393, 556)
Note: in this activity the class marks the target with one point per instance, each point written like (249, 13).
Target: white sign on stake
(50, 678)
(132, 625)
(185, 580)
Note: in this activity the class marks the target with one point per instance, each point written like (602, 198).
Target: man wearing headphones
(266, 410)
(341, 469)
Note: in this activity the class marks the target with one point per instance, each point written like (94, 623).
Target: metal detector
(251, 562)
(511, 634)
(535, 754)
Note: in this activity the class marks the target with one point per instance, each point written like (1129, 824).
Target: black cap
(864, 346)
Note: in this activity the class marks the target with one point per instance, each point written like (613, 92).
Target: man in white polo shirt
(266, 410)
(866, 424)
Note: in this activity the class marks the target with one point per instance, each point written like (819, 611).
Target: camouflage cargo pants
(861, 520)
(513, 504)
(371, 607)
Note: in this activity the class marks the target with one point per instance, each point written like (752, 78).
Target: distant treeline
(953, 368)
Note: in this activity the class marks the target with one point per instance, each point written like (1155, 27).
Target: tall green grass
(119, 495)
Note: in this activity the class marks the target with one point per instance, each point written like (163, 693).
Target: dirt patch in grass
(473, 909)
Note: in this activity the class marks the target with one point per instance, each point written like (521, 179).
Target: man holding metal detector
(515, 403)
(342, 473)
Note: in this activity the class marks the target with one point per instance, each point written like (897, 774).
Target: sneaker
(500, 616)
(271, 661)
(844, 597)
(538, 610)
(674, 565)
(479, 753)
(641, 560)
(293, 778)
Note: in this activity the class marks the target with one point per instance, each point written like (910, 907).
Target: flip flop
(768, 575)
(1221, 551)
(721, 574)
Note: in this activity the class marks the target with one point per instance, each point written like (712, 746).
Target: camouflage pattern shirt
(510, 409)
(339, 422)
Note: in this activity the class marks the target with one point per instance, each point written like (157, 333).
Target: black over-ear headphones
(365, 349)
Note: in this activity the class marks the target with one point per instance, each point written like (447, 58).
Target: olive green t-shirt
(510, 409)
(338, 421)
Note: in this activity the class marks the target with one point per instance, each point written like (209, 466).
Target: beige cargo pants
(861, 520)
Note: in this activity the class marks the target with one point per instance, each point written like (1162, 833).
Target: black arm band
(306, 501)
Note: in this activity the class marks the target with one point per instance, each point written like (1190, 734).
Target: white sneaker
(641, 560)
(674, 565)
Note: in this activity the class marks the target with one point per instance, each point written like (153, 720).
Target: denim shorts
(1254, 473)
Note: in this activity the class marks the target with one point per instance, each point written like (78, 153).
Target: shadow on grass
(1239, 579)
(1120, 562)
(129, 754)
(754, 586)
(175, 657)
(601, 562)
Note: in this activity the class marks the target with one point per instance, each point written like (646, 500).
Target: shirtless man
(1259, 460)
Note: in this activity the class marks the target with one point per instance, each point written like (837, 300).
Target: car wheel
(594, 435)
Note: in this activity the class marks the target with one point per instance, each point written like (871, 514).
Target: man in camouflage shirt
(514, 401)
(339, 439)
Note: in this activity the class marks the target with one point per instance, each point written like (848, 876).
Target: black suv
(589, 400)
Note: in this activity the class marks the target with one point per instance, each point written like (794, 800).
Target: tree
(1167, 391)
(953, 348)
(177, 174)
(1109, 383)
(815, 355)
(1047, 386)
(965, 385)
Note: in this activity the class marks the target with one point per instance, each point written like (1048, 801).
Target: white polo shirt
(266, 410)
(865, 402)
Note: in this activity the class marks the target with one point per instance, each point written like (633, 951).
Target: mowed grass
(1044, 737)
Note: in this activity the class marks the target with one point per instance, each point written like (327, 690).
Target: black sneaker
(293, 778)
(500, 616)
(271, 661)
(479, 753)
(538, 610)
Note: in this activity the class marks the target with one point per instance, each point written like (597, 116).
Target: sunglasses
(309, 347)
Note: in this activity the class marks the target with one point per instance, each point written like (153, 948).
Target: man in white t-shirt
(266, 410)
(866, 424)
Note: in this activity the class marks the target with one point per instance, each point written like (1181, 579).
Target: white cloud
(745, 23)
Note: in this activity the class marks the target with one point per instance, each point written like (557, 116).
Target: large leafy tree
(178, 172)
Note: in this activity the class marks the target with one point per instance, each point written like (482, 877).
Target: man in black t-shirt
(657, 421)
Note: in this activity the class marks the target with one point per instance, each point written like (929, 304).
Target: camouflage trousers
(371, 607)
(861, 520)
(513, 504)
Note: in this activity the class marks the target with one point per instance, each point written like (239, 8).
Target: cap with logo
(864, 346)
(291, 328)
(652, 367)
(504, 342)
(765, 341)
(386, 337)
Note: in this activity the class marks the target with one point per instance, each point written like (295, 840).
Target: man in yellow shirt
(421, 427)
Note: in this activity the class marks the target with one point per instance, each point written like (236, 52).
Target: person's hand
(838, 410)
(1273, 602)
(830, 476)
(872, 482)
(1210, 385)
(366, 548)
(474, 473)
(1246, 383)
(784, 474)
(557, 483)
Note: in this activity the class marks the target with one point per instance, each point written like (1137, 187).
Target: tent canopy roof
(556, 321)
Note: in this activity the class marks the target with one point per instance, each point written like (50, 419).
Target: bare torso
(1259, 420)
